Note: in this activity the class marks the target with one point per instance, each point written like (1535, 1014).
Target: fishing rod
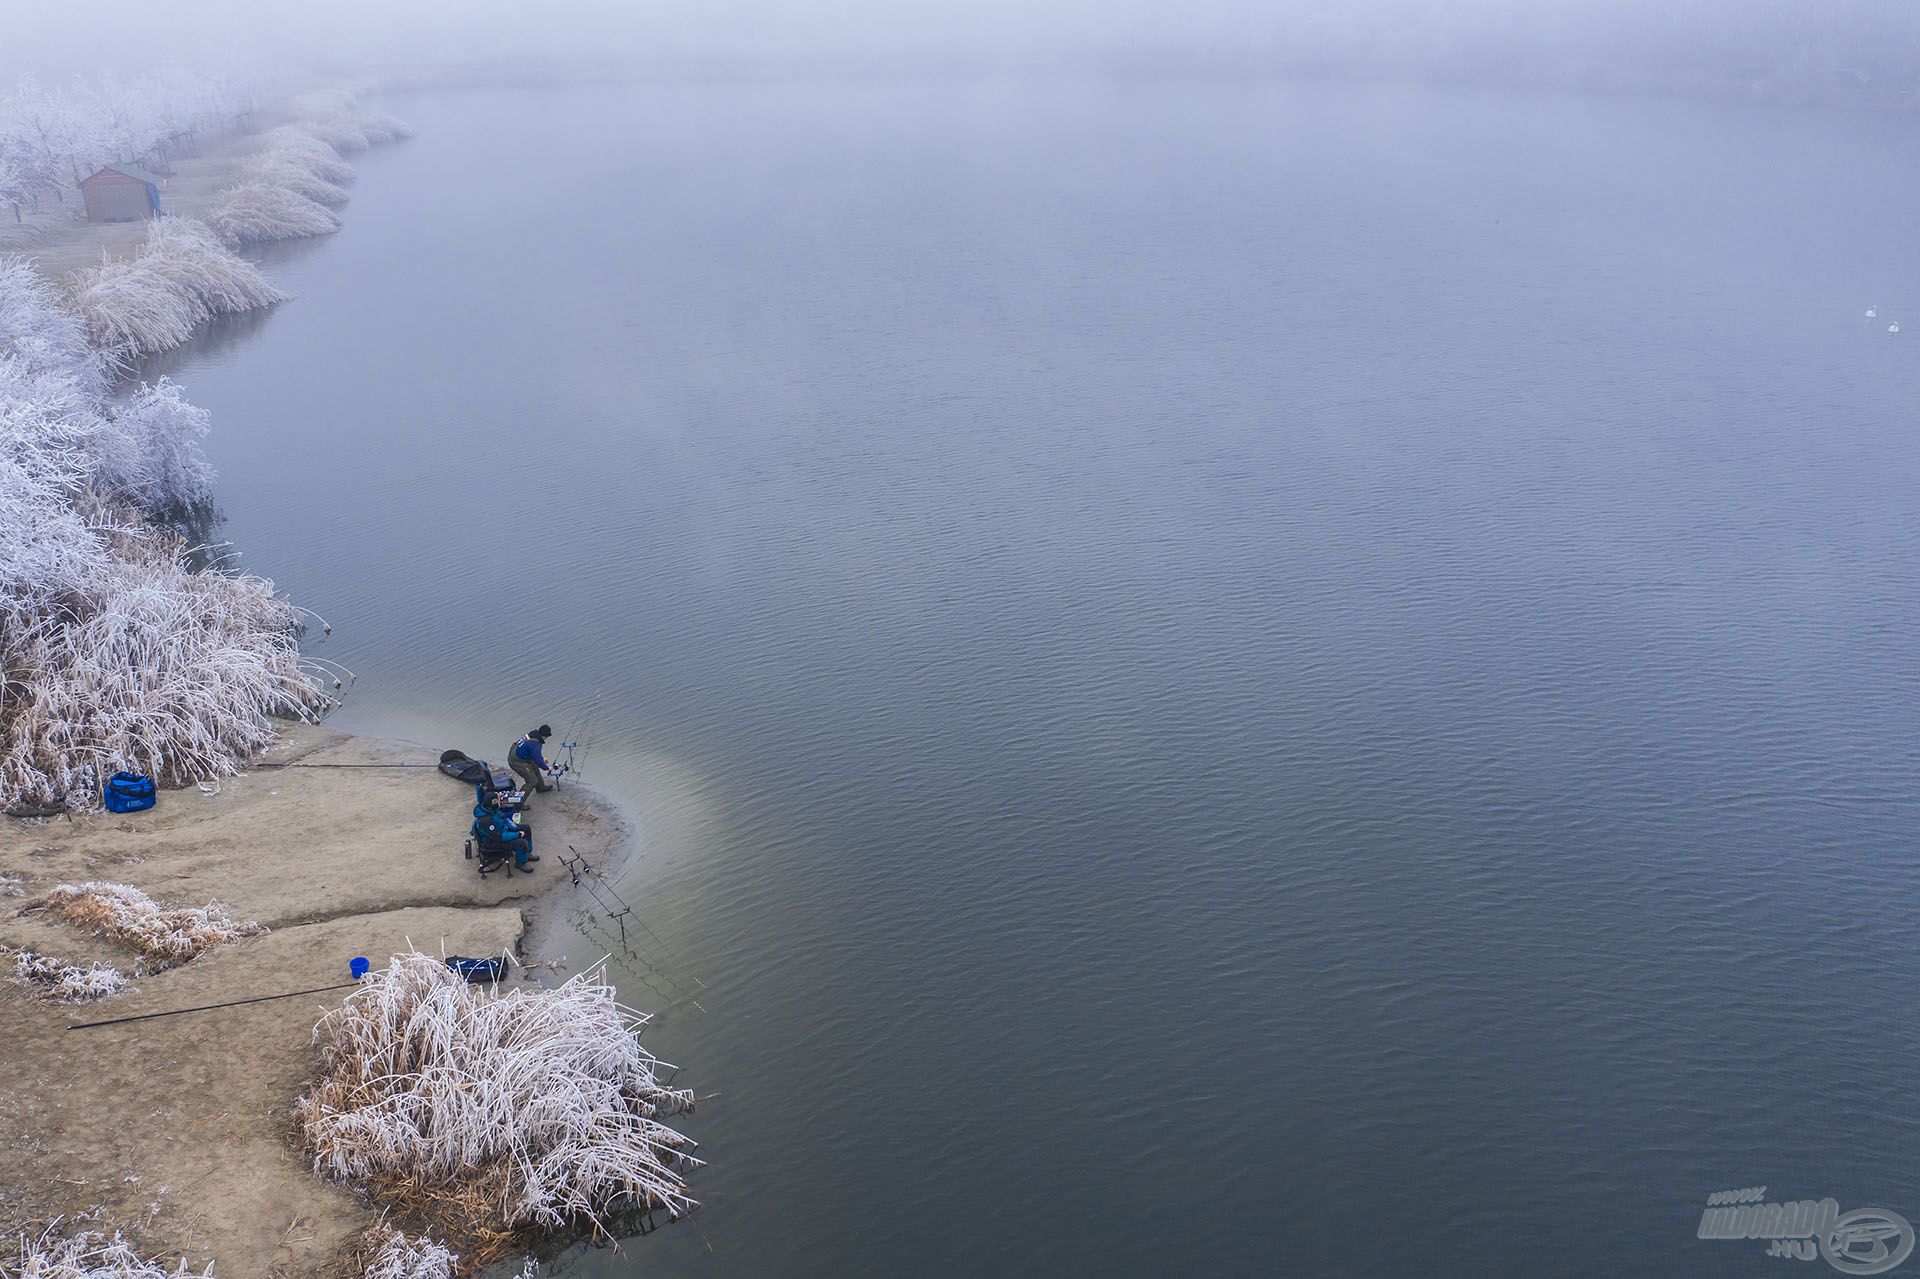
(680, 993)
(298, 764)
(231, 1003)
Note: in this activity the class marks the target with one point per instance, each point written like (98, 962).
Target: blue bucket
(358, 967)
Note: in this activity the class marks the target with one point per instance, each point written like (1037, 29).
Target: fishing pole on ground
(294, 763)
(201, 1008)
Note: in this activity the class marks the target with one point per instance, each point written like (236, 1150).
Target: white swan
(1894, 327)
(1873, 313)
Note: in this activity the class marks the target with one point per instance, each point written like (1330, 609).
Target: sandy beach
(180, 1127)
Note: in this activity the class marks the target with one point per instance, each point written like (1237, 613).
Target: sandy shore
(180, 1127)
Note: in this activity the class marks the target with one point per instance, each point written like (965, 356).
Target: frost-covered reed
(389, 1253)
(379, 127)
(88, 1254)
(113, 655)
(61, 982)
(154, 300)
(161, 935)
(289, 144)
(492, 1111)
(188, 253)
(300, 171)
(258, 212)
(283, 171)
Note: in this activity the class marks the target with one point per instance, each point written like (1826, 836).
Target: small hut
(122, 193)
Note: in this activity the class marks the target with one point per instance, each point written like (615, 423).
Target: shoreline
(181, 1128)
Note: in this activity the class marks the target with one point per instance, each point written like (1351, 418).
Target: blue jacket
(528, 748)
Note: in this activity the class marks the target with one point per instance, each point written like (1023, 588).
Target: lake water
(1215, 679)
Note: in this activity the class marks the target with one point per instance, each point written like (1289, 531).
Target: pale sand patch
(181, 1126)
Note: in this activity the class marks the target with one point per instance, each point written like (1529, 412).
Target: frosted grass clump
(289, 144)
(299, 171)
(395, 1256)
(61, 982)
(297, 178)
(152, 302)
(88, 1254)
(259, 212)
(163, 936)
(152, 669)
(379, 127)
(133, 310)
(187, 252)
(340, 131)
(490, 1111)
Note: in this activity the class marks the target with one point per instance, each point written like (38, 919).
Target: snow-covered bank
(114, 654)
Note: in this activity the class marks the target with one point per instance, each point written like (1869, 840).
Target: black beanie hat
(543, 731)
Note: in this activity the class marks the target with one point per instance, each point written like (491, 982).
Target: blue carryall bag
(479, 969)
(129, 793)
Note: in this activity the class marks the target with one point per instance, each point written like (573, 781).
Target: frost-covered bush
(494, 1111)
(152, 457)
(88, 1254)
(257, 212)
(113, 655)
(64, 983)
(161, 935)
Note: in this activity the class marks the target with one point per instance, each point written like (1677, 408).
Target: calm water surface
(1214, 679)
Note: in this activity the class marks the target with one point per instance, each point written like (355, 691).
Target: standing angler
(529, 760)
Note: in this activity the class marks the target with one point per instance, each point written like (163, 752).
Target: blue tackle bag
(128, 793)
(479, 969)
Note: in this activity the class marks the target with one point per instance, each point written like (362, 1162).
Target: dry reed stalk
(61, 982)
(162, 936)
(87, 1254)
(489, 1112)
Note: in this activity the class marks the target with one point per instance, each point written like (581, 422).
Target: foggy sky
(1500, 39)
